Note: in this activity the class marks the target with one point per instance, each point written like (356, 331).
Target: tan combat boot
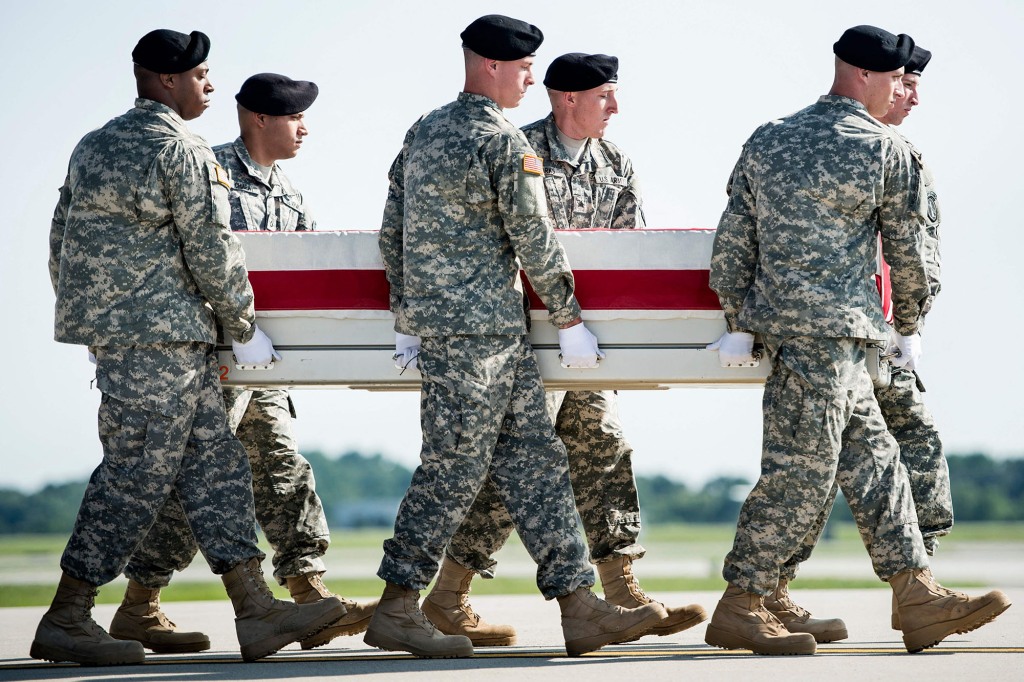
(139, 618)
(447, 607)
(895, 620)
(589, 623)
(741, 621)
(798, 619)
(399, 625)
(265, 624)
(623, 589)
(67, 631)
(309, 588)
(928, 612)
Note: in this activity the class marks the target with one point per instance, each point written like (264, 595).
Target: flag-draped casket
(323, 299)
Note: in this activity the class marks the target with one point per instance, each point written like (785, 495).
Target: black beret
(166, 51)
(874, 49)
(575, 72)
(503, 38)
(918, 60)
(276, 95)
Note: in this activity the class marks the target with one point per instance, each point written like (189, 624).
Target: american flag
(533, 164)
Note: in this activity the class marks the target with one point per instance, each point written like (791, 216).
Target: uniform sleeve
(198, 194)
(629, 208)
(902, 221)
(735, 251)
(307, 223)
(391, 237)
(57, 224)
(524, 210)
(933, 257)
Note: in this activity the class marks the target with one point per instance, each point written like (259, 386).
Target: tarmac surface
(873, 651)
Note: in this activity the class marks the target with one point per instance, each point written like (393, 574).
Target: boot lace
(413, 609)
(633, 585)
(254, 574)
(160, 616)
(786, 602)
(85, 605)
(317, 583)
(466, 608)
(935, 587)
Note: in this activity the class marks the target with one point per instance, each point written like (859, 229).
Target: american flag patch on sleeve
(533, 164)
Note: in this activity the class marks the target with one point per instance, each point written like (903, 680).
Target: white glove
(909, 347)
(735, 349)
(892, 348)
(578, 347)
(257, 351)
(406, 349)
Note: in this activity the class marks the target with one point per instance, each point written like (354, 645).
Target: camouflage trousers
(165, 436)
(601, 471)
(287, 506)
(483, 416)
(912, 425)
(822, 426)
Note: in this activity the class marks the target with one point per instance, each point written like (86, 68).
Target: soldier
(272, 124)
(589, 182)
(794, 261)
(902, 405)
(466, 202)
(141, 258)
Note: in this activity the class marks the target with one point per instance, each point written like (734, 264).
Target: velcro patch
(221, 176)
(533, 164)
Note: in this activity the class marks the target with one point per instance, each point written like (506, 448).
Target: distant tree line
(359, 490)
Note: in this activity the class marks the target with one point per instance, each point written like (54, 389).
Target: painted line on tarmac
(156, 660)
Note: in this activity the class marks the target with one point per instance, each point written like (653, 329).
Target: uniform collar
(842, 100)
(482, 100)
(250, 166)
(158, 108)
(592, 154)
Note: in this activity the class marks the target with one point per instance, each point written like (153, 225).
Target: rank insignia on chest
(221, 176)
(533, 164)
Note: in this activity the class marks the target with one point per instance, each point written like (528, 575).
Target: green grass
(362, 548)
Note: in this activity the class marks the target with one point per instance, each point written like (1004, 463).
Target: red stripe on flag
(640, 290)
(595, 289)
(320, 289)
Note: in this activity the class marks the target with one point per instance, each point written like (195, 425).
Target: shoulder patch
(221, 176)
(533, 164)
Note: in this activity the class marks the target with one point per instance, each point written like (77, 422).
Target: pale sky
(695, 79)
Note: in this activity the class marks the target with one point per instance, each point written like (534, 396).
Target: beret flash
(276, 95)
(575, 72)
(166, 51)
(873, 48)
(503, 38)
(918, 60)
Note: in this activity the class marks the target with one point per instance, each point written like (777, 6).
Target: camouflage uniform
(809, 195)
(466, 200)
(139, 246)
(257, 204)
(908, 419)
(287, 506)
(599, 190)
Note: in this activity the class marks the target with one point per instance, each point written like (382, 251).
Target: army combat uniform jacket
(794, 252)
(450, 239)
(599, 190)
(140, 250)
(258, 204)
